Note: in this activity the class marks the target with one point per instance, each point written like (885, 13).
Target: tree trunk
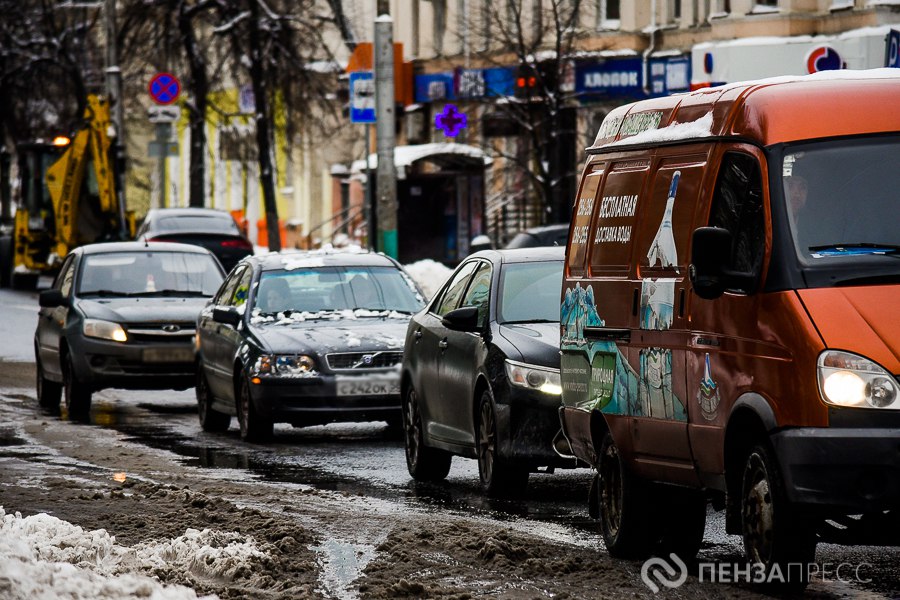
(263, 129)
(198, 84)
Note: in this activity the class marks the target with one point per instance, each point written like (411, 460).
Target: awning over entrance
(447, 156)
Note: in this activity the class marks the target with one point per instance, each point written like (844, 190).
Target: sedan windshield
(149, 274)
(529, 292)
(328, 289)
(842, 199)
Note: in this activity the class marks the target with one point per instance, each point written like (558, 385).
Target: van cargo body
(730, 316)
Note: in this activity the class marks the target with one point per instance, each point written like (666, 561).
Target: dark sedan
(121, 315)
(546, 235)
(304, 338)
(213, 229)
(481, 370)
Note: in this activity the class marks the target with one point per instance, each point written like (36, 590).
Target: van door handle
(607, 334)
(443, 344)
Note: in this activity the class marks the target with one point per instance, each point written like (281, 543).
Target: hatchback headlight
(285, 365)
(851, 380)
(104, 330)
(543, 379)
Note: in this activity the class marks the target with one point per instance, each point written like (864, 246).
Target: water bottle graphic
(662, 250)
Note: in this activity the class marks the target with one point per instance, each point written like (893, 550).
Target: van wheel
(254, 427)
(49, 392)
(498, 476)
(682, 535)
(773, 531)
(626, 517)
(210, 419)
(77, 394)
(423, 463)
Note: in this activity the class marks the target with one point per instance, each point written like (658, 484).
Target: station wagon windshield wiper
(106, 293)
(170, 292)
(856, 249)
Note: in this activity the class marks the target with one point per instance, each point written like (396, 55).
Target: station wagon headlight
(851, 380)
(104, 330)
(284, 365)
(533, 377)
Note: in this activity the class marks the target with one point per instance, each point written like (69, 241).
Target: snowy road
(325, 512)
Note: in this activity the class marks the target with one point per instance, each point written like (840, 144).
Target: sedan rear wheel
(49, 392)
(254, 427)
(210, 419)
(78, 394)
(424, 464)
(498, 476)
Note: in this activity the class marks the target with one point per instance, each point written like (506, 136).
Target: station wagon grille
(161, 332)
(356, 361)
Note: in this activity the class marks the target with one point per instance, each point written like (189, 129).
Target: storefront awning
(445, 155)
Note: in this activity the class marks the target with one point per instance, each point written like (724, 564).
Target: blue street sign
(164, 88)
(362, 97)
(892, 51)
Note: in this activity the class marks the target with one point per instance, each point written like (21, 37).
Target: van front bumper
(853, 469)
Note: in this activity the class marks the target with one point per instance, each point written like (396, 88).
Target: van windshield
(842, 199)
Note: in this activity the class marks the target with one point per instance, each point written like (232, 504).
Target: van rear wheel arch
(750, 422)
(599, 429)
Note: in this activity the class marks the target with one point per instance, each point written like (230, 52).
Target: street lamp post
(117, 102)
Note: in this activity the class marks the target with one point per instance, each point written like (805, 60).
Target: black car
(304, 338)
(121, 315)
(546, 235)
(481, 370)
(213, 229)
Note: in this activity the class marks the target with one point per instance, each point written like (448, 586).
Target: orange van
(730, 317)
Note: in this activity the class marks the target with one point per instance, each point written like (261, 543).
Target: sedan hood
(143, 310)
(862, 320)
(322, 336)
(538, 343)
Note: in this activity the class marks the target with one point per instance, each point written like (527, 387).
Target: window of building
(608, 14)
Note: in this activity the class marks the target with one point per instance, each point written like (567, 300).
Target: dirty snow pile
(429, 274)
(44, 557)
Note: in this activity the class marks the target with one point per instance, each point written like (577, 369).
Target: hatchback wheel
(498, 476)
(424, 464)
(254, 427)
(49, 392)
(78, 394)
(210, 419)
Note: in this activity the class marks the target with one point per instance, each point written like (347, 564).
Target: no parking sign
(164, 88)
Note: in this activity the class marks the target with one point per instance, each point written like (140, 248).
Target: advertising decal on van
(708, 394)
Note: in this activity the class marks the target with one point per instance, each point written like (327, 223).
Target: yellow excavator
(67, 197)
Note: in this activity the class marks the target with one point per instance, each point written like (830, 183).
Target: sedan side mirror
(710, 257)
(228, 316)
(52, 299)
(462, 319)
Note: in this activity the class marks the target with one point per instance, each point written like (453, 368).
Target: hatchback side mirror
(462, 319)
(709, 269)
(52, 299)
(228, 316)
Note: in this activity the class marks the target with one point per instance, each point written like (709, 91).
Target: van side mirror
(228, 316)
(52, 299)
(710, 257)
(462, 319)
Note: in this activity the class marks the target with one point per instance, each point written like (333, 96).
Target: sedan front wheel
(254, 427)
(498, 476)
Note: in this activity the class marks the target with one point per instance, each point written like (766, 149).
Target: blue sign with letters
(435, 86)
(892, 49)
(362, 97)
(624, 77)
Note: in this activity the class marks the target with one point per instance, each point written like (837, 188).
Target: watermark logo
(664, 572)
(672, 573)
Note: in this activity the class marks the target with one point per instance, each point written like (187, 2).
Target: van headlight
(279, 365)
(851, 380)
(542, 379)
(104, 330)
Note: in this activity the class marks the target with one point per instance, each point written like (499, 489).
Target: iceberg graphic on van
(662, 250)
(708, 394)
(579, 309)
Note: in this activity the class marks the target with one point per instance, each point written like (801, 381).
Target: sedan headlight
(285, 365)
(851, 380)
(543, 379)
(104, 330)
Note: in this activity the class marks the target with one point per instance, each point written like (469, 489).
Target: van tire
(626, 514)
(774, 532)
(422, 462)
(499, 477)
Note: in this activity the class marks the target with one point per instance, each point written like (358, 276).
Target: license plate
(168, 355)
(368, 387)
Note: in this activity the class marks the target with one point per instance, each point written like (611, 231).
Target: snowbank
(429, 274)
(44, 557)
